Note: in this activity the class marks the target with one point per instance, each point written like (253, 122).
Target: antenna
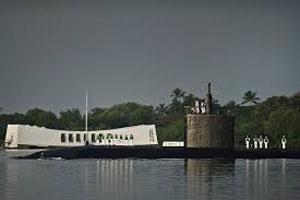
(86, 111)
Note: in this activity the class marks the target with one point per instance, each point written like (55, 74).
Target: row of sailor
(263, 142)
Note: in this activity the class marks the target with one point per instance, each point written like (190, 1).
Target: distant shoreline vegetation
(274, 117)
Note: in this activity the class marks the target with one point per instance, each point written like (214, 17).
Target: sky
(120, 51)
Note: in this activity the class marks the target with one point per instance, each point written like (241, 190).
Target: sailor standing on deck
(266, 142)
(247, 141)
(283, 142)
(255, 141)
(197, 107)
(203, 109)
(261, 142)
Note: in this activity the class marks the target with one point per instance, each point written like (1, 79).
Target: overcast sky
(51, 51)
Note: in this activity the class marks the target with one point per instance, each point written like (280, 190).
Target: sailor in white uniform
(247, 141)
(203, 107)
(261, 142)
(266, 142)
(283, 142)
(255, 141)
(197, 107)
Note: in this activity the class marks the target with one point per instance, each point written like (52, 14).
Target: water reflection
(114, 177)
(265, 178)
(149, 179)
(205, 176)
(109, 178)
(68, 179)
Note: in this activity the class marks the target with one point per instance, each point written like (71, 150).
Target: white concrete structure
(173, 144)
(18, 136)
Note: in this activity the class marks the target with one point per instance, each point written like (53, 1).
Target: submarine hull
(155, 152)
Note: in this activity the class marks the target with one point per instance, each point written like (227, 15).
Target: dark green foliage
(5, 119)
(171, 132)
(275, 117)
(41, 118)
(126, 114)
(71, 119)
(176, 102)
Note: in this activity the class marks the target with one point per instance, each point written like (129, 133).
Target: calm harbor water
(148, 178)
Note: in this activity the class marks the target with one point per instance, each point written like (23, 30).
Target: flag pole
(86, 111)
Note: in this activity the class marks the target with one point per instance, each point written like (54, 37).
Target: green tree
(284, 122)
(143, 115)
(161, 109)
(177, 95)
(189, 100)
(96, 121)
(172, 132)
(230, 107)
(71, 119)
(6, 119)
(294, 101)
(177, 99)
(41, 118)
(250, 97)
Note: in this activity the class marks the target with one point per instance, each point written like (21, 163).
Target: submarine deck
(157, 152)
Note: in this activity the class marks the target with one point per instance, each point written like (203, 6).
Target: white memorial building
(22, 136)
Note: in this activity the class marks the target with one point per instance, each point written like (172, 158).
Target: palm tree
(177, 98)
(250, 97)
(161, 109)
(177, 95)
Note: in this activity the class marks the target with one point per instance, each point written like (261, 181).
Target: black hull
(155, 152)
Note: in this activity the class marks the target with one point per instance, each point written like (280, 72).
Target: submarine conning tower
(206, 129)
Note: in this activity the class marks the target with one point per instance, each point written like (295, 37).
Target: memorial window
(63, 137)
(71, 137)
(93, 137)
(78, 138)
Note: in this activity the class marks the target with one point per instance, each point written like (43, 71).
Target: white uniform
(255, 141)
(203, 107)
(283, 142)
(197, 107)
(247, 141)
(261, 142)
(266, 142)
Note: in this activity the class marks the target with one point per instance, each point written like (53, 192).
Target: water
(148, 178)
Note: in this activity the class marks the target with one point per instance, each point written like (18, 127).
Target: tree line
(274, 117)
